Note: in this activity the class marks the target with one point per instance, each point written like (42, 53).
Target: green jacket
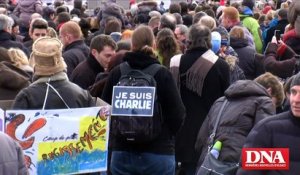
(252, 25)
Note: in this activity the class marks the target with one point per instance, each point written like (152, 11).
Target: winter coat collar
(56, 77)
(295, 119)
(74, 44)
(139, 60)
(95, 65)
(238, 42)
(5, 36)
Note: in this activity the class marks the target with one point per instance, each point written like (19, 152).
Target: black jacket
(197, 107)
(249, 102)
(33, 96)
(172, 107)
(280, 26)
(7, 41)
(246, 56)
(280, 131)
(28, 44)
(85, 73)
(74, 54)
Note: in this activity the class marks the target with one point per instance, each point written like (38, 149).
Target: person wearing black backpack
(146, 156)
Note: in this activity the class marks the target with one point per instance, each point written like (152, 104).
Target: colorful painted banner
(65, 141)
(1, 120)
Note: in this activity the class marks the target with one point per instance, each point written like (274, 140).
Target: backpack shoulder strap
(125, 68)
(152, 69)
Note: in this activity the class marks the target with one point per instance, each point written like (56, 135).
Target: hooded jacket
(248, 103)
(252, 25)
(246, 55)
(26, 8)
(11, 157)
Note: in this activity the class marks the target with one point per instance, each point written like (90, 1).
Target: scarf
(197, 73)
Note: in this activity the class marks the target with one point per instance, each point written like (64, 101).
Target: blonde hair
(18, 57)
(284, 5)
(237, 32)
(270, 15)
(208, 21)
(52, 33)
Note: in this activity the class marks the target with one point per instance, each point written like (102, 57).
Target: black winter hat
(296, 80)
(249, 3)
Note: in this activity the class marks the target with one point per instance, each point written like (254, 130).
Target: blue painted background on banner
(66, 164)
(133, 101)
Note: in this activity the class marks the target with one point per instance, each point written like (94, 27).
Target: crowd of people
(245, 52)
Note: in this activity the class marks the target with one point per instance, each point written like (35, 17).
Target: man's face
(64, 38)
(38, 33)
(295, 100)
(104, 56)
(225, 21)
(179, 35)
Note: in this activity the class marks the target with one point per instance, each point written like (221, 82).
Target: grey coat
(249, 102)
(11, 157)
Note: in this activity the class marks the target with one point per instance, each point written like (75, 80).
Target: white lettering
(261, 156)
(148, 96)
(268, 156)
(135, 104)
(249, 156)
(278, 156)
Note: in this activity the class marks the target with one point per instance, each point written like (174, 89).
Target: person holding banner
(156, 156)
(51, 88)
(11, 157)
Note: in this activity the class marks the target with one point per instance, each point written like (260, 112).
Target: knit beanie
(249, 3)
(296, 80)
(224, 35)
(215, 42)
(47, 56)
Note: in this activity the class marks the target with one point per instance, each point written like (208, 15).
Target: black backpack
(138, 129)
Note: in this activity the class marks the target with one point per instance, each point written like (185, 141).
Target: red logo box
(265, 158)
